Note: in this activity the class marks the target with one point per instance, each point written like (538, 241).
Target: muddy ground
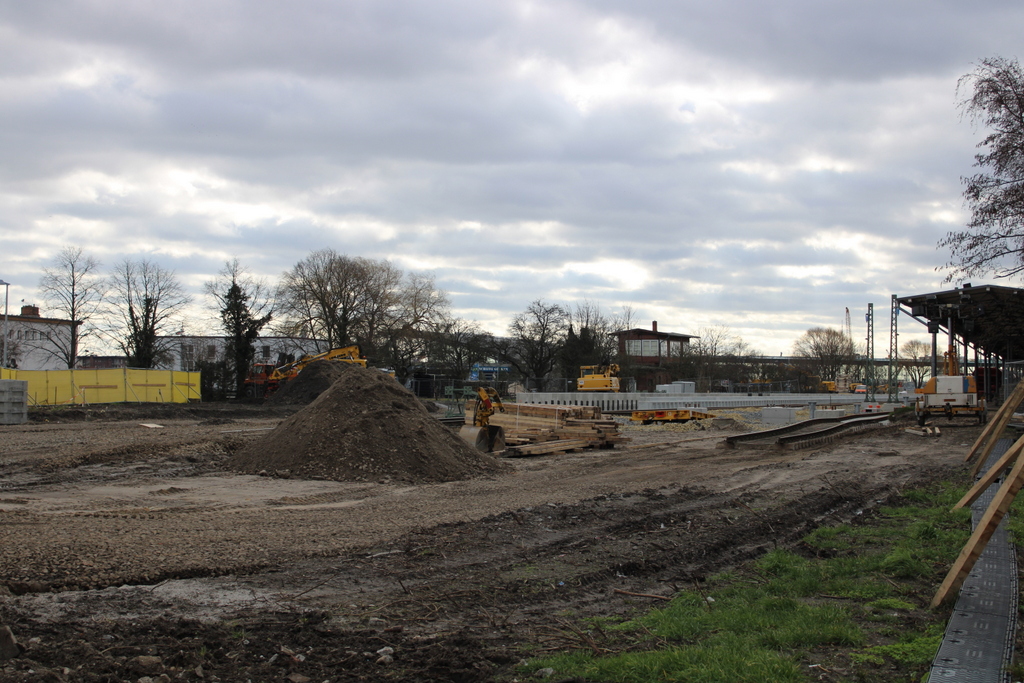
(130, 553)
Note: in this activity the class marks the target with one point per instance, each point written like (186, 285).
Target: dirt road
(129, 551)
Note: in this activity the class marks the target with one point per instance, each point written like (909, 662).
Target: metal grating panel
(978, 644)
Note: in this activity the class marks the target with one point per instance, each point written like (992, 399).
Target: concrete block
(13, 402)
(829, 412)
(778, 416)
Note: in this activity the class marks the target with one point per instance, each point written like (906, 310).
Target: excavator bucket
(489, 439)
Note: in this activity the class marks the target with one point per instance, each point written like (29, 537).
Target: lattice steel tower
(869, 354)
(894, 367)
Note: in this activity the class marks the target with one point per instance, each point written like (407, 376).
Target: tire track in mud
(530, 564)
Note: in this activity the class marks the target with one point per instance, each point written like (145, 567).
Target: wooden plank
(532, 424)
(979, 539)
(549, 447)
(984, 482)
(587, 431)
(987, 439)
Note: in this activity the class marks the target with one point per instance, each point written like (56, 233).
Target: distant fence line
(125, 385)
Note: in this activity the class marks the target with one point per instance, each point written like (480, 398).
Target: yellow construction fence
(61, 387)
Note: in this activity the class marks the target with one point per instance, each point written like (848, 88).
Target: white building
(182, 352)
(36, 343)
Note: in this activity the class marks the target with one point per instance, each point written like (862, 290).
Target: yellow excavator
(481, 434)
(264, 380)
(598, 378)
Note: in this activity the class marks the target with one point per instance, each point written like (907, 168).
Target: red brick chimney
(654, 326)
(30, 311)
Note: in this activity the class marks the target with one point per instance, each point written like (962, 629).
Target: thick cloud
(759, 165)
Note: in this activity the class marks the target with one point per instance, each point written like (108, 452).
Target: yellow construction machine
(481, 434)
(598, 378)
(950, 395)
(264, 380)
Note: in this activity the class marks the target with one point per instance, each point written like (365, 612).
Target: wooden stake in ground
(987, 439)
(1009, 457)
(979, 539)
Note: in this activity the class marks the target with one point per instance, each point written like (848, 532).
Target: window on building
(651, 347)
(633, 347)
(211, 352)
(675, 349)
(266, 352)
(188, 357)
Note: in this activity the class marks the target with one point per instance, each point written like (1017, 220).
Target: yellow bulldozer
(598, 378)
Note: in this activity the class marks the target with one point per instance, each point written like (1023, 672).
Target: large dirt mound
(314, 380)
(365, 426)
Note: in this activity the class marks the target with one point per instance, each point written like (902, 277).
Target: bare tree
(386, 302)
(711, 352)
(458, 344)
(73, 287)
(318, 300)
(245, 306)
(147, 300)
(827, 351)
(535, 338)
(589, 339)
(917, 353)
(413, 323)
(994, 238)
(340, 300)
(14, 352)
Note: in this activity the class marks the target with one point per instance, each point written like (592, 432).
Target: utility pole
(7, 292)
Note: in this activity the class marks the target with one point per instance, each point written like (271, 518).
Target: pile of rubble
(315, 379)
(364, 427)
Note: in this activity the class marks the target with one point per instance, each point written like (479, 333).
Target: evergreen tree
(245, 309)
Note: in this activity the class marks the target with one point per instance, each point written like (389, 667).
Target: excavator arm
(481, 434)
(272, 380)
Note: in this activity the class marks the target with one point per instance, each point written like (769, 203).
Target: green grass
(851, 598)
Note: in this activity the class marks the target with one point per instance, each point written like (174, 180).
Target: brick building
(646, 354)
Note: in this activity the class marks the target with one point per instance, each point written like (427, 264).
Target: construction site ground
(130, 552)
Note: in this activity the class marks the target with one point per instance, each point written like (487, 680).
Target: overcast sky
(762, 166)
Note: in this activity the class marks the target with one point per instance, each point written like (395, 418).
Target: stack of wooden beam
(533, 429)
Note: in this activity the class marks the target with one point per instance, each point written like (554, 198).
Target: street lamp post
(7, 291)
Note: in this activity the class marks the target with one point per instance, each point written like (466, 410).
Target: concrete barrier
(778, 415)
(13, 402)
(607, 401)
